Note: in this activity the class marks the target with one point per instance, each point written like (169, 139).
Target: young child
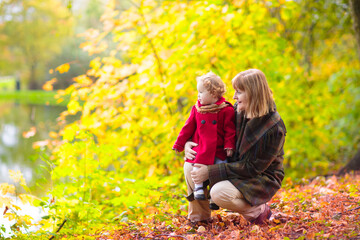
(210, 125)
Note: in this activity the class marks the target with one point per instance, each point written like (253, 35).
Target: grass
(7, 83)
(39, 97)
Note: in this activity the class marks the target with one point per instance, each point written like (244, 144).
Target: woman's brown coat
(256, 169)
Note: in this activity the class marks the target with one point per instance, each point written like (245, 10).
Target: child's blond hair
(213, 84)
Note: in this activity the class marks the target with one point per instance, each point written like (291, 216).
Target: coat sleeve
(229, 128)
(251, 166)
(186, 132)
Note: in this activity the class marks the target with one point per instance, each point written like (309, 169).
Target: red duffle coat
(213, 132)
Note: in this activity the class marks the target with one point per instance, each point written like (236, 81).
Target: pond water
(16, 151)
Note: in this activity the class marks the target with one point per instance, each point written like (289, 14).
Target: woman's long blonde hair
(259, 95)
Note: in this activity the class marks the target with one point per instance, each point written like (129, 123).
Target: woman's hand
(189, 153)
(201, 174)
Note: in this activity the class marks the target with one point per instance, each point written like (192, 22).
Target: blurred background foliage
(135, 86)
(134, 100)
(140, 93)
(39, 35)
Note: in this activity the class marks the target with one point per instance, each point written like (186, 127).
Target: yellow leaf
(83, 80)
(26, 198)
(274, 228)
(63, 68)
(5, 201)
(7, 188)
(95, 63)
(151, 171)
(27, 219)
(17, 208)
(73, 107)
(10, 216)
(16, 176)
(93, 48)
(59, 100)
(45, 224)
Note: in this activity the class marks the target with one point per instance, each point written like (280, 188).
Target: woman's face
(204, 95)
(242, 100)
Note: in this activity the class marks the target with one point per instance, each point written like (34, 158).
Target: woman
(255, 172)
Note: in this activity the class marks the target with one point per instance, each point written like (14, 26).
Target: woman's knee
(187, 169)
(220, 193)
(215, 195)
(227, 196)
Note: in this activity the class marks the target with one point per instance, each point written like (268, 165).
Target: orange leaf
(48, 86)
(310, 235)
(29, 133)
(40, 144)
(53, 134)
(239, 3)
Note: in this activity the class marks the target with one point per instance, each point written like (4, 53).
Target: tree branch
(156, 55)
(52, 237)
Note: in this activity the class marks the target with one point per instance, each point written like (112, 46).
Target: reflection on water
(9, 135)
(16, 152)
(25, 209)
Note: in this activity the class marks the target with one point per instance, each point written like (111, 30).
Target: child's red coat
(213, 132)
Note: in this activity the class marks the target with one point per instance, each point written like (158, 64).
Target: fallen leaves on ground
(320, 209)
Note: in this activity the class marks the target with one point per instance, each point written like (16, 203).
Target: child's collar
(211, 108)
(218, 102)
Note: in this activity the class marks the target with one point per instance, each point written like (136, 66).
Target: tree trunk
(355, 14)
(354, 163)
(32, 81)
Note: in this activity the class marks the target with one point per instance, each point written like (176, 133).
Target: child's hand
(229, 152)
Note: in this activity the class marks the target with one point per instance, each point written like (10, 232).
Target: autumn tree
(31, 34)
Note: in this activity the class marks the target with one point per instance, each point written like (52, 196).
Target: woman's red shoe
(263, 216)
